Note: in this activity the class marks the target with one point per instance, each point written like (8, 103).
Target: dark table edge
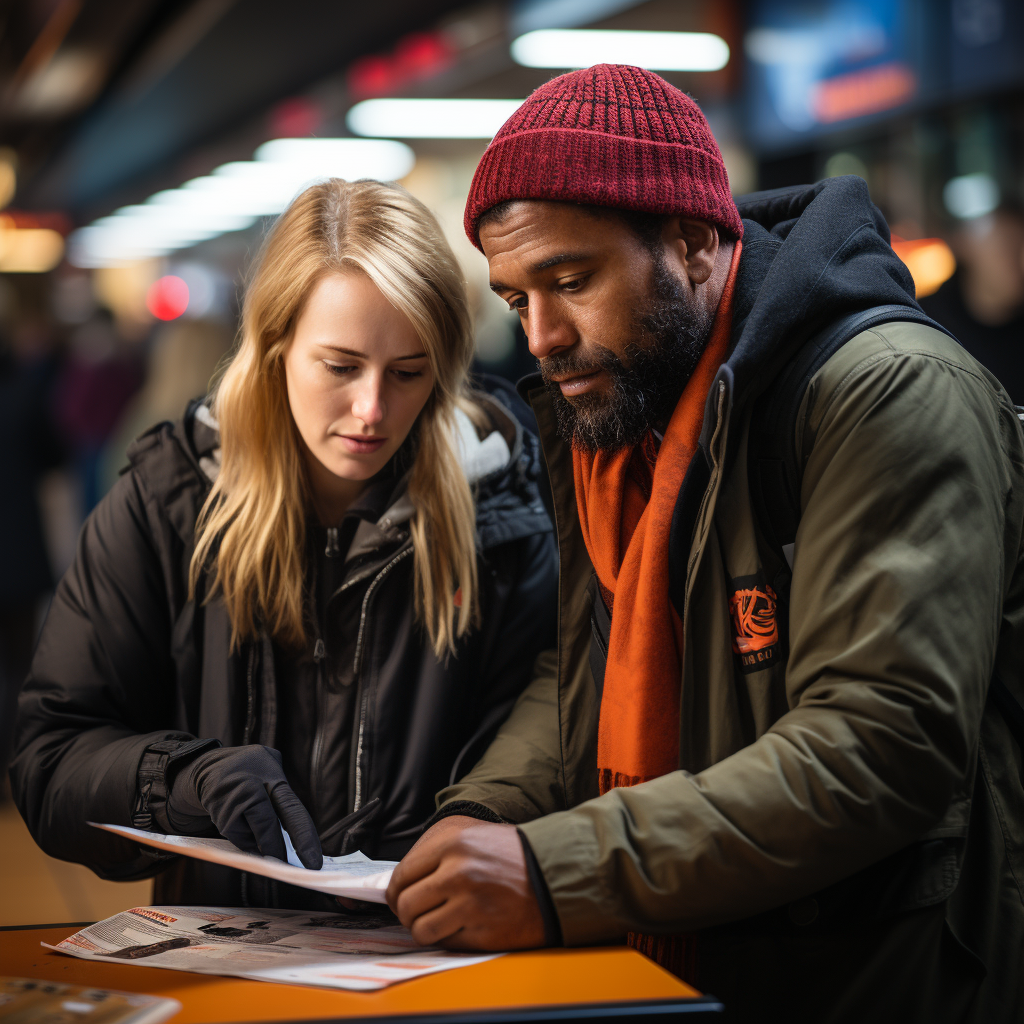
(641, 1009)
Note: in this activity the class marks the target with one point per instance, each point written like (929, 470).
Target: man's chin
(600, 418)
(590, 424)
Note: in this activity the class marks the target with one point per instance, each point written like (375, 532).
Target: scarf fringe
(607, 780)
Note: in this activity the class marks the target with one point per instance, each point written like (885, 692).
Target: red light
(167, 298)
(371, 76)
(421, 55)
(295, 118)
(416, 56)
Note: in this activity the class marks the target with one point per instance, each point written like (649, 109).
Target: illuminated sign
(813, 67)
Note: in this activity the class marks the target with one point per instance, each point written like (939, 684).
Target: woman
(310, 602)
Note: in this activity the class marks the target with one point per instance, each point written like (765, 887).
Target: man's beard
(670, 333)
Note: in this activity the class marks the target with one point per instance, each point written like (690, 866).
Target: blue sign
(816, 66)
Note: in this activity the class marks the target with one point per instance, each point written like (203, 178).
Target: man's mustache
(589, 359)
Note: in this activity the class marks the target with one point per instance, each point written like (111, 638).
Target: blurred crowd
(72, 399)
(983, 302)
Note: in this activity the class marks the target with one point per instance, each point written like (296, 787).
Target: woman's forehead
(347, 310)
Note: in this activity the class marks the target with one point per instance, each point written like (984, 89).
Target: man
(773, 769)
(983, 302)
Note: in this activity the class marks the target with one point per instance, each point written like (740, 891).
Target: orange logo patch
(753, 607)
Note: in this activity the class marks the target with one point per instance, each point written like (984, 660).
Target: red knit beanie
(611, 135)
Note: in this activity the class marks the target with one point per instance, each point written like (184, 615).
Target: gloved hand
(242, 791)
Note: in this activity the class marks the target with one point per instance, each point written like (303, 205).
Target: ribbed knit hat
(611, 135)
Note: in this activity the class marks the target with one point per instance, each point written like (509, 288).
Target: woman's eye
(408, 374)
(338, 369)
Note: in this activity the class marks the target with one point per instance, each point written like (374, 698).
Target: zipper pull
(333, 549)
(319, 650)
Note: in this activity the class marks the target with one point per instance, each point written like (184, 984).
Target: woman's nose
(368, 405)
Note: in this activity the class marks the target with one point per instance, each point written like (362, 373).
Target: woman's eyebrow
(362, 355)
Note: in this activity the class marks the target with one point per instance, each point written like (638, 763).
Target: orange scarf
(626, 500)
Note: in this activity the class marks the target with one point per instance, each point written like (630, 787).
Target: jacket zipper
(357, 665)
(250, 696)
(366, 599)
(332, 550)
(319, 652)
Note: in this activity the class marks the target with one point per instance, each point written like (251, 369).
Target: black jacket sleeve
(101, 690)
(520, 616)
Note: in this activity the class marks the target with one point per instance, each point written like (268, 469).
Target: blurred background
(146, 146)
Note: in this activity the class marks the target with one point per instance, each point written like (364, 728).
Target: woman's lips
(572, 386)
(361, 445)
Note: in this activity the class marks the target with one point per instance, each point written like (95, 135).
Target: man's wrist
(465, 809)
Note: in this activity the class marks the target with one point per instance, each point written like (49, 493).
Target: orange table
(557, 984)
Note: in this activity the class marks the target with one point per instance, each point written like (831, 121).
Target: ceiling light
(181, 219)
(233, 196)
(971, 195)
(658, 51)
(383, 159)
(28, 250)
(431, 119)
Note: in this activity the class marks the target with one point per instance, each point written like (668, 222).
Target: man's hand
(464, 885)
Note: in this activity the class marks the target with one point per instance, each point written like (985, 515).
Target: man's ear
(694, 246)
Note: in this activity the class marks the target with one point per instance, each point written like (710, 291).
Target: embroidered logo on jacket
(755, 628)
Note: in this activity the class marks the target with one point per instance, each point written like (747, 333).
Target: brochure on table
(343, 950)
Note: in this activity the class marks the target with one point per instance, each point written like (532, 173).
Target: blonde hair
(251, 532)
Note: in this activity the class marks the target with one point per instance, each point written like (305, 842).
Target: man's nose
(548, 332)
(369, 405)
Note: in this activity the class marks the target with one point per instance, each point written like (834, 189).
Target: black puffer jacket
(128, 668)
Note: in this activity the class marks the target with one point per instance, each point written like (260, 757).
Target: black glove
(242, 791)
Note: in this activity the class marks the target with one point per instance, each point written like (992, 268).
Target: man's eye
(518, 305)
(573, 286)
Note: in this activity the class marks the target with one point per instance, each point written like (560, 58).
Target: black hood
(811, 254)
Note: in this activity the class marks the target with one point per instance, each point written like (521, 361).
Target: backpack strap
(774, 465)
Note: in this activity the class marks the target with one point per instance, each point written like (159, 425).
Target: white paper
(355, 875)
(285, 946)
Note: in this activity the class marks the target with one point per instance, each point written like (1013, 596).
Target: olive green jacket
(907, 588)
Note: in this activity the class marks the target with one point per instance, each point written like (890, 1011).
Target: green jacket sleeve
(908, 537)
